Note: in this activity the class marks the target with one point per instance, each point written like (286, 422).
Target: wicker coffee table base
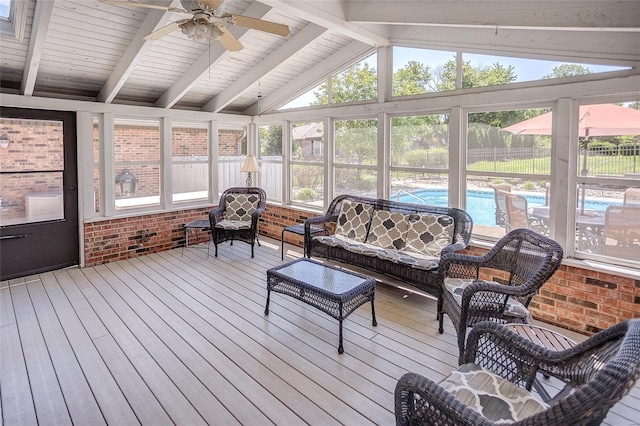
(338, 306)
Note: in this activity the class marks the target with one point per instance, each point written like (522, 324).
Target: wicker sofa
(400, 240)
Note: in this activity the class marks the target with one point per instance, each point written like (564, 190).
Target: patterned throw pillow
(388, 229)
(429, 233)
(240, 207)
(494, 397)
(353, 220)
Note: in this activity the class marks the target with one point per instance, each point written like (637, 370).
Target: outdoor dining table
(589, 227)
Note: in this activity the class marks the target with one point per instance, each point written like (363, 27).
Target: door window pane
(31, 165)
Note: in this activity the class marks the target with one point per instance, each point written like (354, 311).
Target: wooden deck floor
(165, 339)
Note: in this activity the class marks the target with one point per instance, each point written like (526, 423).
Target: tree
(567, 70)
(271, 140)
(411, 79)
(359, 82)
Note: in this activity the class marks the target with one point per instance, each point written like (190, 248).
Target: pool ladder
(402, 191)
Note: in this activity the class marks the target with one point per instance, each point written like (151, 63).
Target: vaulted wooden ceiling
(90, 50)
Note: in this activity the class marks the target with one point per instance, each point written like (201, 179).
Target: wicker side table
(195, 226)
(299, 230)
(548, 339)
(331, 290)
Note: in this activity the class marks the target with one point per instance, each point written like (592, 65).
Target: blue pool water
(480, 203)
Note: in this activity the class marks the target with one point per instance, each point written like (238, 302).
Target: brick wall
(117, 239)
(577, 299)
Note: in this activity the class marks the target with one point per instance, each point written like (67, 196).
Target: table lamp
(250, 165)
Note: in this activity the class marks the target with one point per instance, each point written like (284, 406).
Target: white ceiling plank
(39, 28)
(208, 59)
(324, 16)
(307, 80)
(134, 52)
(543, 14)
(290, 47)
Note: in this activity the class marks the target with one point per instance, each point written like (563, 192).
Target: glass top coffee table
(334, 291)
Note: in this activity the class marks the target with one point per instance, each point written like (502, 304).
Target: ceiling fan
(207, 22)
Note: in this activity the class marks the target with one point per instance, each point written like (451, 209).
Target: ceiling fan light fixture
(214, 32)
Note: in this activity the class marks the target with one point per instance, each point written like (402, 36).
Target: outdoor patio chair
(601, 370)
(631, 197)
(519, 264)
(236, 217)
(517, 214)
(622, 232)
(501, 204)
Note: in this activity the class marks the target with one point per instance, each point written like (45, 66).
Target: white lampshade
(250, 164)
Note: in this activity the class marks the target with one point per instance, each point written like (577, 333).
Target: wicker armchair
(521, 262)
(602, 370)
(236, 217)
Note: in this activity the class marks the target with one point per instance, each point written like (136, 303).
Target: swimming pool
(480, 202)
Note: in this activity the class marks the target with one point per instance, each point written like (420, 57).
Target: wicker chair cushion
(429, 233)
(513, 308)
(240, 207)
(492, 396)
(388, 229)
(234, 224)
(353, 220)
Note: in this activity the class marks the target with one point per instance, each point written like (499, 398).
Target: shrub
(307, 194)
(529, 186)
(366, 183)
(602, 148)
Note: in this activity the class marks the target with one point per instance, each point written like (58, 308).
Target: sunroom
(110, 143)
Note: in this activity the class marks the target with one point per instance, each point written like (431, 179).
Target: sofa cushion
(513, 307)
(240, 207)
(414, 260)
(234, 224)
(388, 229)
(492, 396)
(429, 233)
(353, 220)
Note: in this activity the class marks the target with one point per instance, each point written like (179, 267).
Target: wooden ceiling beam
(39, 28)
(302, 38)
(135, 51)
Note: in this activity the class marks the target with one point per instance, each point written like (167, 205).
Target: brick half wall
(578, 299)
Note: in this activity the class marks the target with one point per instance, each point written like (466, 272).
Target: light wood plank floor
(182, 339)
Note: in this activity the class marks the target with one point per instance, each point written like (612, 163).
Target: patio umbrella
(595, 120)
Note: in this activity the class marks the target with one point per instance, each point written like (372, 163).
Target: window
(485, 70)
(270, 143)
(189, 162)
(232, 151)
(420, 159)
(417, 71)
(307, 163)
(502, 155)
(607, 215)
(356, 155)
(13, 18)
(310, 98)
(137, 163)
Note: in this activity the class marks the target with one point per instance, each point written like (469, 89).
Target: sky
(4, 8)
(525, 69)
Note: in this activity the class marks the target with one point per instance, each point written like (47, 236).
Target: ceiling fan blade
(261, 25)
(143, 5)
(229, 41)
(211, 4)
(159, 33)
